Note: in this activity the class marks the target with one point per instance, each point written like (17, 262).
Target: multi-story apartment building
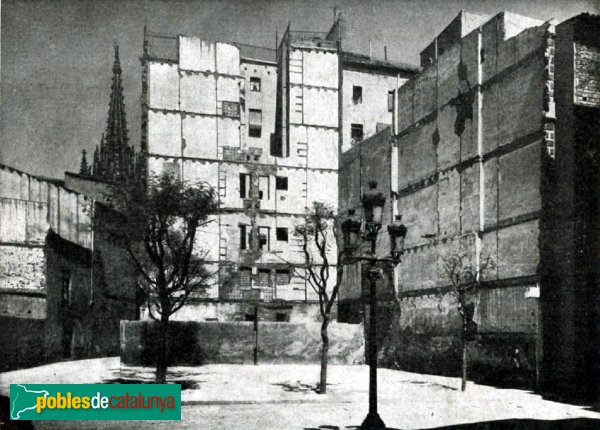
(264, 127)
(491, 159)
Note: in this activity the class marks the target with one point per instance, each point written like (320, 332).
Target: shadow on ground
(6, 423)
(513, 424)
(433, 385)
(298, 387)
(186, 384)
(330, 427)
(529, 424)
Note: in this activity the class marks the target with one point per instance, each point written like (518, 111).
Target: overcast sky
(56, 56)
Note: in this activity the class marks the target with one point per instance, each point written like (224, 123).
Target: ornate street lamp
(351, 234)
(373, 203)
(397, 232)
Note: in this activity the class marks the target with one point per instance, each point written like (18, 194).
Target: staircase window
(263, 188)
(356, 94)
(356, 132)
(255, 84)
(282, 234)
(264, 239)
(281, 183)
(255, 123)
(244, 185)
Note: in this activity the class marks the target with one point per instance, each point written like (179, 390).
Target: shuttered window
(245, 277)
(282, 277)
(231, 109)
(263, 277)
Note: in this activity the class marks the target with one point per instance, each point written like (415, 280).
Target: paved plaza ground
(274, 396)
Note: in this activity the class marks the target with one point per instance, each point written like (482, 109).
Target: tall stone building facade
(492, 158)
(264, 127)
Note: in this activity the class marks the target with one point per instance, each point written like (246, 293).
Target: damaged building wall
(30, 207)
(210, 117)
(46, 291)
(367, 95)
(469, 167)
(471, 143)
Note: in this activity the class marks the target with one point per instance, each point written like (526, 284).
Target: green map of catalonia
(24, 400)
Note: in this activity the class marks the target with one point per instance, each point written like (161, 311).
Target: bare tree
(157, 227)
(465, 281)
(318, 237)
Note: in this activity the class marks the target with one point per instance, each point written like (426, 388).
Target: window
(245, 277)
(282, 234)
(281, 183)
(255, 123)
(282, 276)
(171, 169)
(356, 132)
(245, 237)
(244, 185)
(282, 317)
(356, 94)
(263, 188)
(263, 277)
(231, 109)
(255, 84)
(264, 240)
(390, 101)
(66, 287)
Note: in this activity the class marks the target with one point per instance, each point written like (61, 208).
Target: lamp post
(373, 202)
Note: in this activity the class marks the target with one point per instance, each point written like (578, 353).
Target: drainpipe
(92, 257)
(478, 244)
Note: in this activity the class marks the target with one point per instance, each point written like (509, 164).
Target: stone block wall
(471, 143)
(193, 343)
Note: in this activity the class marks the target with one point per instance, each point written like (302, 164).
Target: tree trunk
(162, 353)
(463, 385)
(324, 355)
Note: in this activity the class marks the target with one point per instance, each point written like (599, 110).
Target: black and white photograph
(311, 215)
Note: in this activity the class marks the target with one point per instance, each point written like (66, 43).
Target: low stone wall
(294, 312)
(194, 343)
(491, 358)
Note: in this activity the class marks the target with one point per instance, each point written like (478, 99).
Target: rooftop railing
(166, 47)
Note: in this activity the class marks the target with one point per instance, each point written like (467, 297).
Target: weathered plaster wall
(233, 342)
(372, 109)
(46, 271)
(444, 197)
(188, 132)
(472, 129)
(29, 208)
(264, 100)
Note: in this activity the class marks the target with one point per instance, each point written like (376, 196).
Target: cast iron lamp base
(373, 422)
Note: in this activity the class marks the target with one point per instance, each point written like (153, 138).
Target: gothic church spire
(115, 160)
